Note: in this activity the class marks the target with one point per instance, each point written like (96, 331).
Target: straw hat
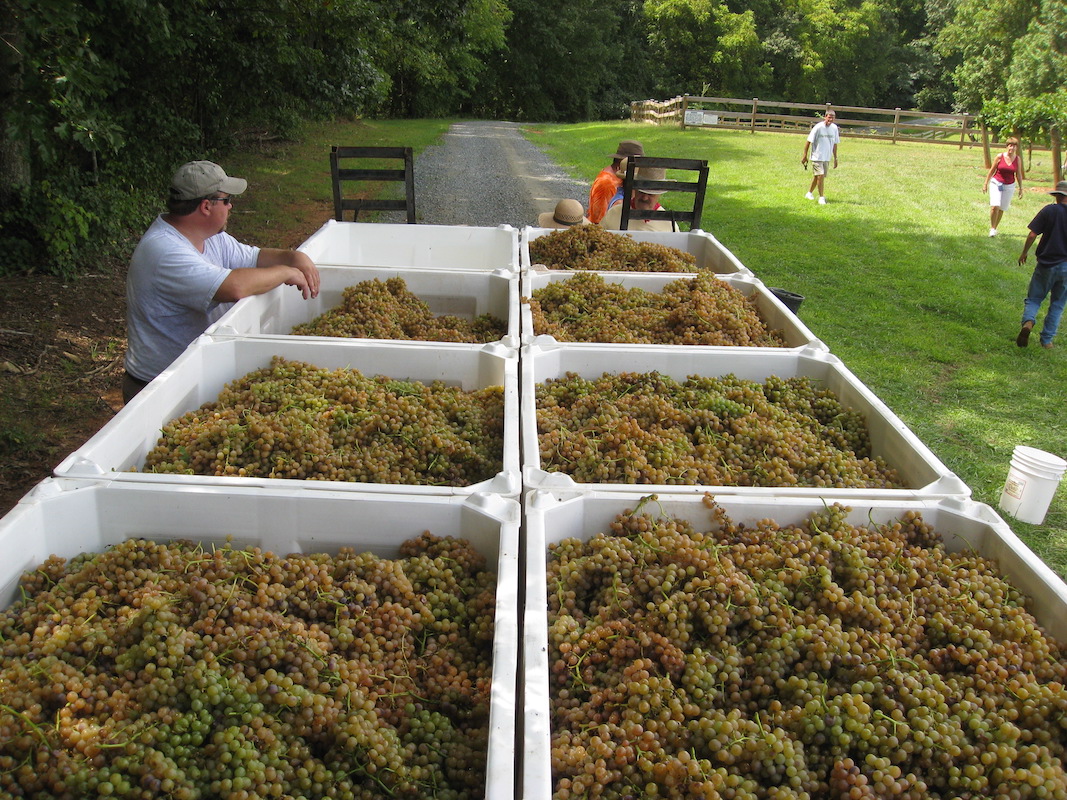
(621, 171)
(568, 212)
(628, 147)
(650, 174)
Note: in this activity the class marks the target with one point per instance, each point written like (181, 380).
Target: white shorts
(1000, 194)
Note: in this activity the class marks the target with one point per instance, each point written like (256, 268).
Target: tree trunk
(14, 153)
(1057, 155)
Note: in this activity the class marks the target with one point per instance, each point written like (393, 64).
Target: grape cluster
(296, 420)
(714, 431)
(592, 247)
(378, 309)
(167, 670)
(701, 311)
(821, 660)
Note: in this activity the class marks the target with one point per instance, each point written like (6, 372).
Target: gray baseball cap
(203, 178)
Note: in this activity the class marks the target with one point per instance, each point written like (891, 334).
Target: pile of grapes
(822, 660)
(167, 670)
(721, 431)
(295, 420)
(377, 309)
(702, 311)
(592, 247)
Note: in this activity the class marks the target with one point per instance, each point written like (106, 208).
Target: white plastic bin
(375, 244)
(772, 311)
(463, 293)
(921, 471)
(64, 518)
(551, 517)
(710, 252)
(199, 374)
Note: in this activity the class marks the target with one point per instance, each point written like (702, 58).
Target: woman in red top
(1004, 176)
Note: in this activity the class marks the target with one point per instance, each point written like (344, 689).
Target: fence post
(1057, 161)
(896, 124)
(985, 146)
(685, 106)
(752, 122)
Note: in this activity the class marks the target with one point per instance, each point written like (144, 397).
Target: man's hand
(306, 266)
(300, 280)
(296, 259)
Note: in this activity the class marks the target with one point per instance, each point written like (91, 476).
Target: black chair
(696, 187)
(341, 174)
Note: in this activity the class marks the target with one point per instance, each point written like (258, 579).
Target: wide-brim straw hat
(650, 174)
(628, 147)
(567, 214)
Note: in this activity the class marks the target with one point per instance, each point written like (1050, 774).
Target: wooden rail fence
(891, 124)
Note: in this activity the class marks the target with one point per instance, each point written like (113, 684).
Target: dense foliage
(100, 100)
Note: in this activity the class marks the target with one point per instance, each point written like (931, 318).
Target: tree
(931, 71)
(697, 43)
(564, 62)
(856, 44)
(434, 52)
(102, 98)
(981, 35)
(1039, 58)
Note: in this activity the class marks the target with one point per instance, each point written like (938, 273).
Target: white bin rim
(1040, 459)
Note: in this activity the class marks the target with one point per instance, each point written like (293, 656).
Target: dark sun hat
(627, 148)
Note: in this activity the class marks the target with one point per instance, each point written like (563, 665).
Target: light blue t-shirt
(823, 137)
(170, 288)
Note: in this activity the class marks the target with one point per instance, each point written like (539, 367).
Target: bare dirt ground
(61, 348)
(62, 341)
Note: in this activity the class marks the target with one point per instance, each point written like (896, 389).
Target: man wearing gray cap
(186, 268)
(1050, 274)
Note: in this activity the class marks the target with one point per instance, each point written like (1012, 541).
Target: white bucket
(1033, 476)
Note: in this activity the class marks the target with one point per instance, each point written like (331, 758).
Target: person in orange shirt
(607, 183)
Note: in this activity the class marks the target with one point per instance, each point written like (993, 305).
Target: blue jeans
(1047, 281)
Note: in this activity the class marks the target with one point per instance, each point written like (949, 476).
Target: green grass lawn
(290, 190)
(900, 280)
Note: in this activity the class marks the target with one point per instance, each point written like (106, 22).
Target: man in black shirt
(1050, 274)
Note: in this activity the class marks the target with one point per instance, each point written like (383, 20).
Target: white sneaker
(809, 196)
(992, 232)
(822, 201)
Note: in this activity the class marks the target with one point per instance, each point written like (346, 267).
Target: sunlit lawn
(900, 280)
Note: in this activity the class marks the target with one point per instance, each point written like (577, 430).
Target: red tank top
(1006, 169)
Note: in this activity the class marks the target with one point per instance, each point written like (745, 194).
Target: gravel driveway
(487, 174)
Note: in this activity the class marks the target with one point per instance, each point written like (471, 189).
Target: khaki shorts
(819, 167)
